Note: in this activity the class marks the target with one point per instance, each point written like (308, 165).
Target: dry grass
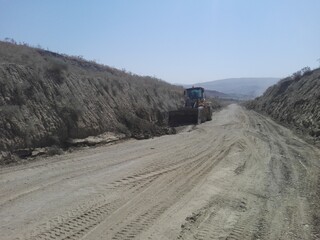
(69, 97)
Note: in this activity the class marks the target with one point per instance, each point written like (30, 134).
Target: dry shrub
(54, 150)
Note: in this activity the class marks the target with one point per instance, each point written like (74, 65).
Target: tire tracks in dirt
(240, 176)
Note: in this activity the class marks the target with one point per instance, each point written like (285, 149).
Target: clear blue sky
(179, 41)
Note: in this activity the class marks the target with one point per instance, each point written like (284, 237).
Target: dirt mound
(48, 98)
(294, 101)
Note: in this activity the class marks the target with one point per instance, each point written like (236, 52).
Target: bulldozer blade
(185, 117)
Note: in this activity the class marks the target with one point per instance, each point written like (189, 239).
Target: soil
(239, 176)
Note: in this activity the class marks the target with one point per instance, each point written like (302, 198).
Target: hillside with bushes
(48, 98)
(294, 101)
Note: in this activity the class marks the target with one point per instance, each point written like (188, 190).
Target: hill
(294, 101)
(48, 98)
(216, 94)
(239, 88)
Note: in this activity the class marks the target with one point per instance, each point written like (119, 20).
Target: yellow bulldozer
(196, 109)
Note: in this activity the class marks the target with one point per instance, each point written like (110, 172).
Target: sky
(179, 41)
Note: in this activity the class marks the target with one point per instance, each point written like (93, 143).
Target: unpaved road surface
(240, 176)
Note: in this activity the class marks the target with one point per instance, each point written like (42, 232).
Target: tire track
(136, 226)
(78, 225)
(195, 170)
(207, 223)
(78, 222)
(240, 176)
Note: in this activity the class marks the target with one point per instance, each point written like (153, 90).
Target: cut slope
(47, 98)
(294, 101)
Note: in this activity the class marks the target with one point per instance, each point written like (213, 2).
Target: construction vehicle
(196, 109)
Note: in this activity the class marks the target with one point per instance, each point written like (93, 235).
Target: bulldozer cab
(193, 96)
(194, 93)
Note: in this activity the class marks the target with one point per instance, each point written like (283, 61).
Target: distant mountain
(240, 88)
(216, 94)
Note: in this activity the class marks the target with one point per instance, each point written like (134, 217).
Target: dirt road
(240, 176)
